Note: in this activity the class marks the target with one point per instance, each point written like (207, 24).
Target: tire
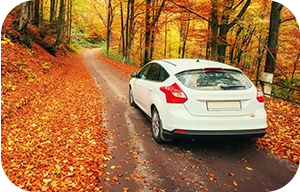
(156, 127)
(131, 98)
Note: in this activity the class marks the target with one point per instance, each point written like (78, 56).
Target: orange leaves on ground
(51, 133)
(283, 131)
(127, 69)
(234, 183)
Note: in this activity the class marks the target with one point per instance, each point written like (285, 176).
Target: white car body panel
(201, 111)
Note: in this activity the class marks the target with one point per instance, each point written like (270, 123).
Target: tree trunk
(214, 30)
(208, 54)
(41, 15)
(60, 27)
(224, 30)
(36, 19)
(70, 21)
(268, 74)
(53, 10)
(109, 24)
(123, 45)
(147, 33)
(26, 14)
(185, 35)
(166, 38)
(130, 31)
(151, 21)
(225, 27)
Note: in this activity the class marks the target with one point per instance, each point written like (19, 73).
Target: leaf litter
(52, 138)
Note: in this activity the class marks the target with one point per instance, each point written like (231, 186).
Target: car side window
(143, 72)
(154, 72)
(163, 75)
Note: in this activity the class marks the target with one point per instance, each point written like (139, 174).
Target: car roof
(178, 65)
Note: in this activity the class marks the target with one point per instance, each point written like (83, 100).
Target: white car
(189, 97)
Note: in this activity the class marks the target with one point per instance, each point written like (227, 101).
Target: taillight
(180, 131)
(260, 96)
(174, 94)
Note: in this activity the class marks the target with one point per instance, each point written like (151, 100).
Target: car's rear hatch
(218, 92)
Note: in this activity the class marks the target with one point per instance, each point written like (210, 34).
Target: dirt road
(137, 162)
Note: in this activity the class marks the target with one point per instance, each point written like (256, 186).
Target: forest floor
(52, 137)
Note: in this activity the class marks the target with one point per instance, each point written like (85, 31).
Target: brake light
(260, 96)
(212, 68)
(174, 94)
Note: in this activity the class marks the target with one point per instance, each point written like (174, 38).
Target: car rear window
(214, 80)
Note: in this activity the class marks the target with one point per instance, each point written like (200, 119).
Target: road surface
(138, 163)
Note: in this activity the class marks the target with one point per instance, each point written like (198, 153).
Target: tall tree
(69, 19)
(225, 26)
(36, 19)
(268, 74)
(183, 32)
(109, 25)
(129, 27)
(53, 10)
(60, 26)
(151, 19)
(26, 15)
(123, 45)
(214, 30)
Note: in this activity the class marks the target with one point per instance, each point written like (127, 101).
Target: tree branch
(239, 16)
(235, 7)
(288, 19)
(191, 11)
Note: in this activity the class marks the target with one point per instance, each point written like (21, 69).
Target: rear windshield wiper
(231, 87)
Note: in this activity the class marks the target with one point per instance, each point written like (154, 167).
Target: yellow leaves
(5, 41)
(249, 168)
(116, 167)
(10, 142)
(53, 184)
(29, 143)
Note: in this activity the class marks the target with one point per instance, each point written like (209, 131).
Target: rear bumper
(218, 134)
(177, 118)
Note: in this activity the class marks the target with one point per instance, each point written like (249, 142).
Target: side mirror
(133, 74)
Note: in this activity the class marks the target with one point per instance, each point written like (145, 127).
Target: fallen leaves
(282, 135)
(234, 183)
(249, 168)
(51, 133)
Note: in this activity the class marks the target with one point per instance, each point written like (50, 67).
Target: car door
(147, 86)
(136, 85)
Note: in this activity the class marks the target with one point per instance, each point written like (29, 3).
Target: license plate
(223, 105)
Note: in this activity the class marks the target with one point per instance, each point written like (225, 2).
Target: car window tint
(163, 75)
(143, 72)
(214, 80)
(153, 73)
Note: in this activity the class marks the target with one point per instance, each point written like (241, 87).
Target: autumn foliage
(51, 127)
(283, 133)
(52, 138)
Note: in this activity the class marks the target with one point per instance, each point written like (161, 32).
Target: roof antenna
(198, 60)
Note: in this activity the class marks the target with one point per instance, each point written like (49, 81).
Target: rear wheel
(131, 98)
(157, 131)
